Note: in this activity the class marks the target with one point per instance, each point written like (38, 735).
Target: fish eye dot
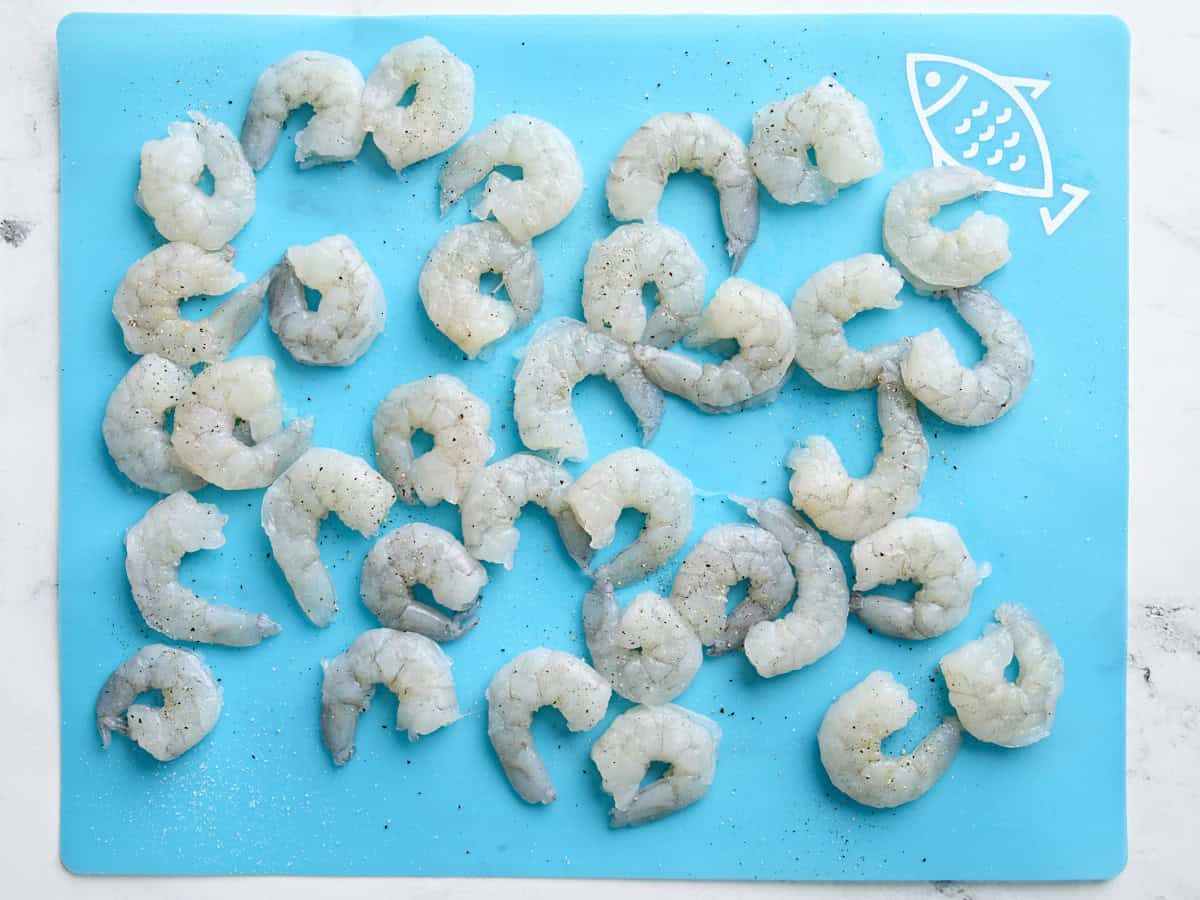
(933, 79)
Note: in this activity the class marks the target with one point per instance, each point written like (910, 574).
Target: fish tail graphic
(1051, 223)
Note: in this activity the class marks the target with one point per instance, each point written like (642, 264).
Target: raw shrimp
(535, 679)
(670, 734)
(135, 426)
(991, 707)
(352, 310)
(441, 109)
(154, 547)
(168, 191)
(318, 483)
(926, 551)
(620, 265)
(495, 499)
(561, 354)
(648, 653)
(409, 665)
(422, 554)
(686, 142)
(851, 508)
(981, 394)
(190, 708)
(766, 336)
(633, 479)
(830, 121)
(851, 737)
(146, 304)
(551, 177)
(449, 285)
(725, 556)
(458, 422)
(826, 302)
(207, 430)
(929, 258)
(331, 85)
(817, 621)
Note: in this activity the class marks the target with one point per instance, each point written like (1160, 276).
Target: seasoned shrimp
(422, 554)
(932, 259)
(643, 735)
(135, 426)
(633, 479)
(535, 679)
(146, 304)
(442, 105)
(331, 85)
(458, 422)
(851, 737)
(926, 551)
(449, 285)
(318, 483)
(409, 665)
(830, 121)
(551, 177)
(982, 394)
(991, 707)
(352, 310)
(817, 621)
(766, 336)
(154, 547)
(167, 189)
(822, 307)
(239, 390)
(190, 708)
(686, 142)
(725, 556)
(620, 265)
(561, 354)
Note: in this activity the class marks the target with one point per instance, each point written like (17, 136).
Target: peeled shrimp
(991, 707)
(851, 736)
(318, 483)
(146, 304)
(190, 708)
(551, 177)
(205, 439)
(766, 335)
(982, 394)
(449, 285)
(535, 679)
(561, 354)
(458, 422)
(422, 554)
(411, 666)
(352, 310)
(830, 121)
(932, 259)
(620, 265)
(331, 85)
(168, 191)
(686, 142)
(647, 734)
(154, 547)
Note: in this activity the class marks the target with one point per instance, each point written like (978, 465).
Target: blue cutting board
(1040, 494)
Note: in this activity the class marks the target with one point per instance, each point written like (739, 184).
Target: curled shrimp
(551, 177)
(686, 142)
(851, 737)
(318, 483)
(535, 679)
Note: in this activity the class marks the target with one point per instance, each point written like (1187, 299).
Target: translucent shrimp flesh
(851, 737)
(318, 483)
(535, 679)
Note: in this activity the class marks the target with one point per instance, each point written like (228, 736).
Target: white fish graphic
(972, 116)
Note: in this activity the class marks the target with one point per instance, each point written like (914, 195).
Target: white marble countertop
(1164, 606)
